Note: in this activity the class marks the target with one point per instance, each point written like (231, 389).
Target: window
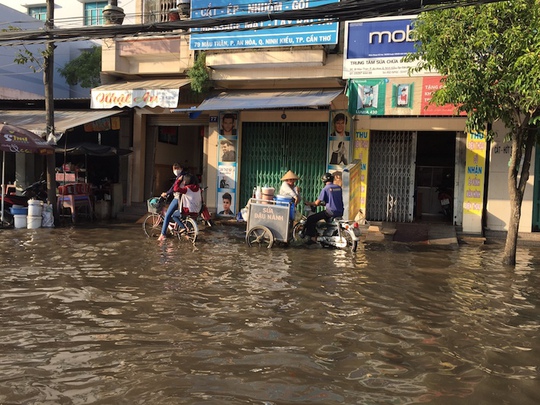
(39, 13)
(168, 135)
(93, 12)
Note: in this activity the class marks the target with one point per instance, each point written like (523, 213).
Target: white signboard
(166, 98)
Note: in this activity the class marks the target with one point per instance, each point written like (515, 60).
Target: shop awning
(36, 120)
(138, 93)
(263, 100)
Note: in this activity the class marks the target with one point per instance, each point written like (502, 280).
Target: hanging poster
(339, 141)
(227, 149)
(366, 96)
(473, 198)
(361, 153)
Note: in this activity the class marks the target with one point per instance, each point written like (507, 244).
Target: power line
(343, 11)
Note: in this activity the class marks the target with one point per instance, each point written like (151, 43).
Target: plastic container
(19, 221)
(33, 222)
(285, 200)
(19, 211)
(35, 208)
(268, 193)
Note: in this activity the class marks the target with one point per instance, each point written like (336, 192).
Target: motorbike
(37, 191)
(335, 232)
(445, 198)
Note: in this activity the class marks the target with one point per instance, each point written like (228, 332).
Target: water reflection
(102, 315)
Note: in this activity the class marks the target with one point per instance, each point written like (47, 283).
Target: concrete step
(135, 212)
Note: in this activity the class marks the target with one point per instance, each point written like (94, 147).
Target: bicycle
(154, 222)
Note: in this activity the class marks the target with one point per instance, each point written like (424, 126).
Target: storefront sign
(166, 98)
(262, 34)
(361, 154)
(473, 198)
(366, 96)
(408, 96)
(376, 47)
(355, 190)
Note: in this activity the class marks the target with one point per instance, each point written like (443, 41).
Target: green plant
(200, 75)
(84, 69)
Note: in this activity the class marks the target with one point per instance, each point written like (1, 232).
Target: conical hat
(289, 176)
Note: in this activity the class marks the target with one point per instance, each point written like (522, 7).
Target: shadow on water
(102, 315)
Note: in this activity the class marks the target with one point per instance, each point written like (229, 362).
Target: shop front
(90, 146)
(417, 161)
(255, 136)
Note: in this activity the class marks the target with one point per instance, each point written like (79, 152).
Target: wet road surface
(102, 315)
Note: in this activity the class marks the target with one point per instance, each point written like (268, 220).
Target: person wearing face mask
(179, 172)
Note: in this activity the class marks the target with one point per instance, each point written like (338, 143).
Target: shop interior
(435, 165)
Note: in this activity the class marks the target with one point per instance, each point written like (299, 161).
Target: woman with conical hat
(289, 188)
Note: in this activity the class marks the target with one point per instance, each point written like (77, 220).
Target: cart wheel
(260, 236)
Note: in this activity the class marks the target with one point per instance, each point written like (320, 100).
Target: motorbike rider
(331, 197)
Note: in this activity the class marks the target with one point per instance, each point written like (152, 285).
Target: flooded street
(102, 315)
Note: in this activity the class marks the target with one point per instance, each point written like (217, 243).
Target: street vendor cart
(268, 222)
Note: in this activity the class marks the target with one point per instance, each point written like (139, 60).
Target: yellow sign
(361, 153)
(475, 166)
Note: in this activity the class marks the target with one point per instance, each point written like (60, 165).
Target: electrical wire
(347, 10)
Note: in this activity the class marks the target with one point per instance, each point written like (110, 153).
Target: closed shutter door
(392, 156)
(269, 149)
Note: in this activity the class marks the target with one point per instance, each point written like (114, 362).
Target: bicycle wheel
(192, 230)
(152, 225)
(260, 236)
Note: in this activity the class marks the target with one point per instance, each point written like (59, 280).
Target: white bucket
(35, 207)
(33, 222)
(19, 221)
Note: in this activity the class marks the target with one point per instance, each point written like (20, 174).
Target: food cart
(268, 221)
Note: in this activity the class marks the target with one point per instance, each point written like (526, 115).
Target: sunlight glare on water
(102, 315)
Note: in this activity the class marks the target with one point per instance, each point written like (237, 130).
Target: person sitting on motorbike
(179, 172)
(331, 197)
(189, 197)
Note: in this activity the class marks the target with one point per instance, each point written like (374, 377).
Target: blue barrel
(285, 200)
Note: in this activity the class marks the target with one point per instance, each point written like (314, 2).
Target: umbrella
(93, 149)
(19, 140)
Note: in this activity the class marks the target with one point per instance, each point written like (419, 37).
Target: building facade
(285, 104)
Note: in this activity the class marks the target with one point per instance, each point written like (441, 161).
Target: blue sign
(262, 34)
(381, 38)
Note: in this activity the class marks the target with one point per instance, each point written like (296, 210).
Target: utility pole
(48, 75)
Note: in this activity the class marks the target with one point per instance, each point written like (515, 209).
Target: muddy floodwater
(99, 314)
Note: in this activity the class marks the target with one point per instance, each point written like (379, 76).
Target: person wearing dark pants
(331, 197)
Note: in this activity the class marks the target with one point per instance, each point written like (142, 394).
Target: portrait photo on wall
(339, 153)
(227, 149)
(227, 124)
(225, 206)
(340, 125)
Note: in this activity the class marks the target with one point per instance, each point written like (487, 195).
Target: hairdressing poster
(227, 163)
(339, 140)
